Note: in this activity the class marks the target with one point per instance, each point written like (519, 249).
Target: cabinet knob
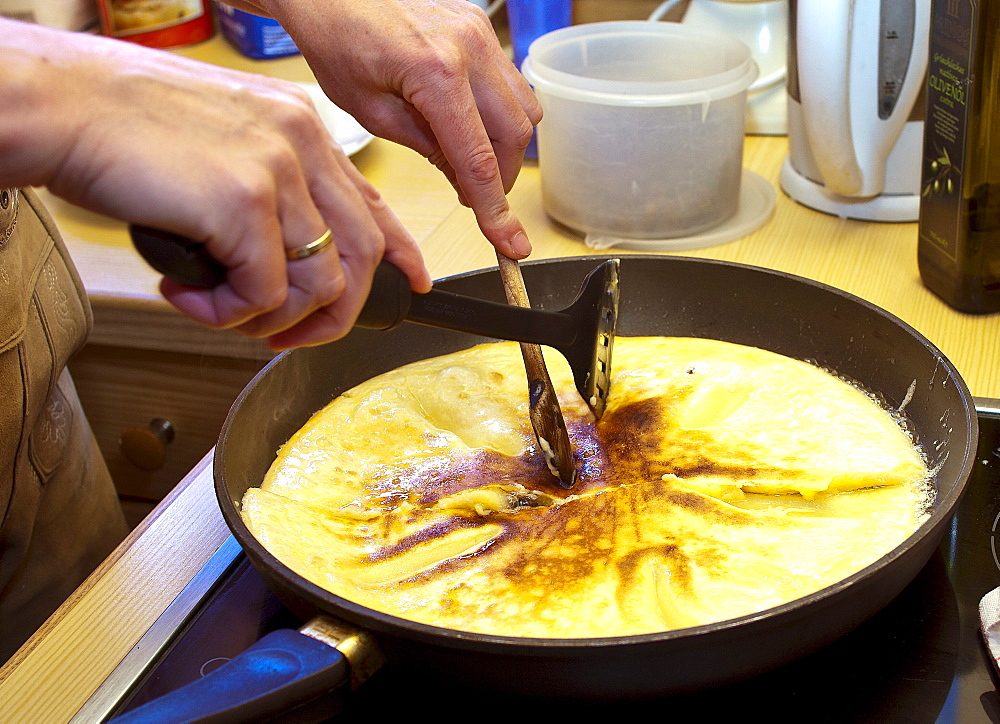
(146, 447)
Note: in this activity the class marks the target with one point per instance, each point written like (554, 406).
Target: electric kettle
(856, 72)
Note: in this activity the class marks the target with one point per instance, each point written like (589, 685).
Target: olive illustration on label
(941, 177)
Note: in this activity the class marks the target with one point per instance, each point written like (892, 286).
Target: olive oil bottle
(959, 228)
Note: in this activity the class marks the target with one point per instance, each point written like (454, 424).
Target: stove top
(921, 659)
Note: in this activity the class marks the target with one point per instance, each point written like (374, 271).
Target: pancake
(721, 481)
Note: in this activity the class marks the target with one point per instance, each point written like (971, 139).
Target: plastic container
(642, 135)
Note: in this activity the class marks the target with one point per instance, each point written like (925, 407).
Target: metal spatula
(583, 332)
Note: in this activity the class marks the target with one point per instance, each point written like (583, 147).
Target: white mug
(762, 25)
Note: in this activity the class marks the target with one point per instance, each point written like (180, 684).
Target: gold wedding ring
(310, 249)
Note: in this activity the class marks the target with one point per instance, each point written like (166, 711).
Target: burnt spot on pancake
(547, 552)
(639, 442)
(646, 430)
(633, 461)
(431, 532)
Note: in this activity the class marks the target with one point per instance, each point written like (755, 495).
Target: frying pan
(671, 296)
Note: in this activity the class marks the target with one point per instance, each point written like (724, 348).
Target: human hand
(432, 76)
(239, 161)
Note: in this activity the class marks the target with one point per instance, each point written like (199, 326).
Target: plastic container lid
(692, 65)
(757, 200)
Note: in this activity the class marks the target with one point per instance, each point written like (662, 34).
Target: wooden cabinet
(125, 389)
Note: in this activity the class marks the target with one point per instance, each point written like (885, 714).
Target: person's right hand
(239, 161)
(429, 74)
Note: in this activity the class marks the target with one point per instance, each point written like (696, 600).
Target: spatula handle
(389, 302)
(177, 257)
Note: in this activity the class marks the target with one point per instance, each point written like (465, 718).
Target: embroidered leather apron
(59, 513)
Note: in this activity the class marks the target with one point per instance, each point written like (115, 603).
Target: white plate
(345, 130)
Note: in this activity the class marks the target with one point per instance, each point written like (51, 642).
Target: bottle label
(942, 223)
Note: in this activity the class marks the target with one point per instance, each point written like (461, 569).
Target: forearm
(90, 117)
(39, 113)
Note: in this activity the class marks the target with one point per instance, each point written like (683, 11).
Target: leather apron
(59, 512)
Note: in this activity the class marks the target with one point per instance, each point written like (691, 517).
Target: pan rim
(382, 623)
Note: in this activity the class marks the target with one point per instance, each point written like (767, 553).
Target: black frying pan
(671, 296)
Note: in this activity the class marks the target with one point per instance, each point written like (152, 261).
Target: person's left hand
(238, 161)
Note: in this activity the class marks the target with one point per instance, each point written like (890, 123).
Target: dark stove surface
(921, 659)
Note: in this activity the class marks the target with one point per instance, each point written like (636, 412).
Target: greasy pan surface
(671, 296)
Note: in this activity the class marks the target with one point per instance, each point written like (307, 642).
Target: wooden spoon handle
(513, 282)
(543, 405)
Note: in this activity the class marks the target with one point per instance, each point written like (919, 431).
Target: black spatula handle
(177, 257)
(389, 302)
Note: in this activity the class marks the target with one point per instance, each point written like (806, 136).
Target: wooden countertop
(54, 674)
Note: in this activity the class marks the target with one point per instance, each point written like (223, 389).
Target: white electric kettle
(855, 110)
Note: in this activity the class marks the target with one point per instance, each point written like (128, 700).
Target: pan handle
(284, 670)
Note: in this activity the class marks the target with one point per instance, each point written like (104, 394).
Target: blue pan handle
(281, 672)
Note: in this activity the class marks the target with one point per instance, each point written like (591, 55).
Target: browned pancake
(722, 480)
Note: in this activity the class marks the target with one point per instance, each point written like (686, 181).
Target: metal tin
(157, 23)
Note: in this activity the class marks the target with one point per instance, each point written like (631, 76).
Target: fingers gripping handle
(390, 300)
(187, 261)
